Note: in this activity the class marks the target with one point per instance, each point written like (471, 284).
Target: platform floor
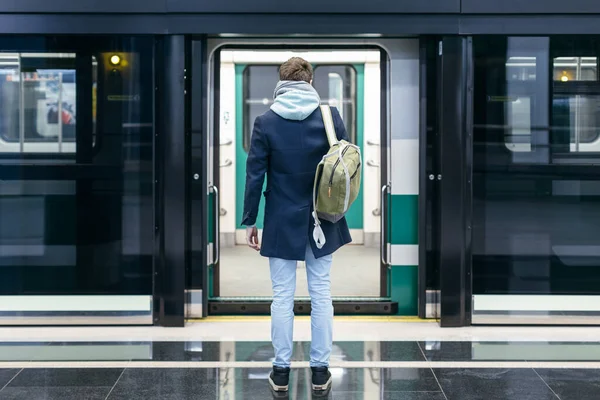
(230, 359)
(355, 273)
(133, 383)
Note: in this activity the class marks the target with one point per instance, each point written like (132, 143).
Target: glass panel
(510, 81)
(80, 224)
(259, 82)
(535, 227)
(579, 117)
(336, 85)
(34, 89)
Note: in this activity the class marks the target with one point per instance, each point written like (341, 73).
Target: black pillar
(170, 182)
(455, 185)
(88, 233)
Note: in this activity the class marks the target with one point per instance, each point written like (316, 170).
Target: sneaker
(279, 379)
(321, 379)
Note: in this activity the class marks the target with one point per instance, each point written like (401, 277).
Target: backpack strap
(318, 235)
(329, 126)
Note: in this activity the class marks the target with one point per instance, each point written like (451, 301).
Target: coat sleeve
(338, 123)
(256, 167)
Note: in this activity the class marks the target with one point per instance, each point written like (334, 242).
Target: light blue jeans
(283, 279)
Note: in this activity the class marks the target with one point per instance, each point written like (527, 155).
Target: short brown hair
(296, 69)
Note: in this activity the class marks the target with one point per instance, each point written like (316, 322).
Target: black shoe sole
(277, 388)
(322, 388)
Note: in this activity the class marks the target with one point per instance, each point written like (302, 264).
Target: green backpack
(337, 180)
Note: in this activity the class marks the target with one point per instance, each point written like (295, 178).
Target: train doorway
(377, 274)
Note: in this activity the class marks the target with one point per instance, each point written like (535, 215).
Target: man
(287, 144)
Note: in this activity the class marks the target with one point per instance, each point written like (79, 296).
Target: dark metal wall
(530, 7)
(337, 17)
(304, 7)
(83, 6)
(170, 151)
(314, 6)
(455, 127)
(313, 24)
(230, 6)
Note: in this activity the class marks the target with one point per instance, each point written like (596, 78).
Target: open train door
(234, 88)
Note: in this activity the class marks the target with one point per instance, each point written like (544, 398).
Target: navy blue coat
(288, 152)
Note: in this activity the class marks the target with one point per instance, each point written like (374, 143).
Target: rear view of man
(287, 144)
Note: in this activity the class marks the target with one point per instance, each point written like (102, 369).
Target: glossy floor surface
(251, 383)
(361, 370)
(415, 361)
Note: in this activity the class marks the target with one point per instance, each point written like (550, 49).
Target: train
(348, 80)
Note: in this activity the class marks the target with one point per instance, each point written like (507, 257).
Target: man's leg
(321, 316)
(283, 279)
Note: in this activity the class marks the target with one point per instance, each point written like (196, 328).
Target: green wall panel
(404, 285)
(355, 215)
(404, 219)
(241, 157)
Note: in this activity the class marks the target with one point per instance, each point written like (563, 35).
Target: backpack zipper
(333, 171)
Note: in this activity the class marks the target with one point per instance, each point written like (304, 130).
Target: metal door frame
(391, 47)
(456, 130)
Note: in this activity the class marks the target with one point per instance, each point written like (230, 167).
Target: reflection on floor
(250, 384)
(361, 370)
(355, 272)
(204, 354)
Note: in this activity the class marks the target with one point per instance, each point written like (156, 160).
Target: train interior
(346, 79)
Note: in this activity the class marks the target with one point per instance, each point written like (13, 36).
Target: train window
(575, 101)
(38, 102)
(336, 85)
(575, 69)
(577, 116)
(259, 82)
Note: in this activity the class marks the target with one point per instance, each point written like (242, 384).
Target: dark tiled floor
(573, 384)
(167, 384)
(493, 384)
(64, 384)
(52, 377)
(409, 380)
(390, 396)
(54, 393)
(447, 351)
(349, 384)
(6, 375)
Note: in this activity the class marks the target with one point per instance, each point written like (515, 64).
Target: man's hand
(252, 237)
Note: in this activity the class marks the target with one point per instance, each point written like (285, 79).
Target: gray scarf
(295, 100)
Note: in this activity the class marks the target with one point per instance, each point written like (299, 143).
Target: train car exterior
(124, 129)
